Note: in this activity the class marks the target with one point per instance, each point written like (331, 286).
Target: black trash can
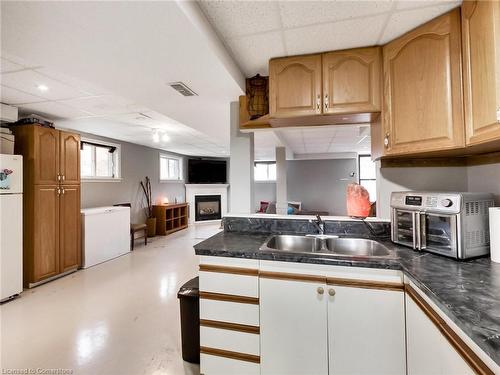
(189, 298)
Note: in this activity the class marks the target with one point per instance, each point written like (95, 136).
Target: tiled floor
(119, 317)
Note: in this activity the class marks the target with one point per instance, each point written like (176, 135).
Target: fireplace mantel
(193, 190)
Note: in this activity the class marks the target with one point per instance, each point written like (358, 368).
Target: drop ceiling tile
(314, 149)
(28, 80)
(105, 105)
(236, 18)
(83, 86)
(401, 22)
(334, 36)
(303, 13)
(14, 97)
(410, 4)
(9, 66)
(53, 110)
(253, 52)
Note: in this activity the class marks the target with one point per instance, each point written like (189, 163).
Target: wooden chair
(135, 228)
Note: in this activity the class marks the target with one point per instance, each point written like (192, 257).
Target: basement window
(367, 175)
(170, 168)
(265, 171)
(99, 160)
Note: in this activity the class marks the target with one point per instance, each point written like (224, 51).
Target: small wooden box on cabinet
(171, 217)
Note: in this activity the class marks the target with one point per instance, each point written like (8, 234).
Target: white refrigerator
(11, 226)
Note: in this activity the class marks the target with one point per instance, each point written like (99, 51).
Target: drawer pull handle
(320, 290)
(331, 292)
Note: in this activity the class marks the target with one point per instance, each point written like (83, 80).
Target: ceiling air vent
(182, 88)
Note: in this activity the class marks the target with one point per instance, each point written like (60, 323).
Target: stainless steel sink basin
(296, 244)
(356, 247)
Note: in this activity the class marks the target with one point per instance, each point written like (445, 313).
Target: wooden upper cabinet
(46, 155)
(423, 88)
(351, 80)
(481, 49)
(70, 158)
(295, 86)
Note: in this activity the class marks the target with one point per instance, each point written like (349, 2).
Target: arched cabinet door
(45, 155)
(70, 158)
(295, 86)
(423, 89)
(351, 80)
(481, 56)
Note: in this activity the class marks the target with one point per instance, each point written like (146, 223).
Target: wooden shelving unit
(171, 218)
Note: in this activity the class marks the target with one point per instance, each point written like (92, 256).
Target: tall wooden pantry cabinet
(51, 201)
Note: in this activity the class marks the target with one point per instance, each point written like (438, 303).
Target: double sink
(327, 245)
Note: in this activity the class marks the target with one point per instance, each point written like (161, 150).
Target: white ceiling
(255, 31)
(105, 63)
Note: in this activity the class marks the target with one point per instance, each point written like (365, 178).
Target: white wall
(318, 184)
(137, 162)
(485, 178)
(241, 166)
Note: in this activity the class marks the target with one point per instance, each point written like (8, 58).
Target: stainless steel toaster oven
(450, 224)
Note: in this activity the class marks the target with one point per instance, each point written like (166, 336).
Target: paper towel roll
(495, 234)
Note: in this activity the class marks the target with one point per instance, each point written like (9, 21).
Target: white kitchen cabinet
(293, 327)
(428, 351)
(366, 331)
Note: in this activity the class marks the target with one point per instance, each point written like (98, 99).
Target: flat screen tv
(206, 171)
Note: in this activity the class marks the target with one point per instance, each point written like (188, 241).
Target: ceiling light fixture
(42, 88)
(165, 137)
(156, 136)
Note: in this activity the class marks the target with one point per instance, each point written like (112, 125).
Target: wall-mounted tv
(204, 171)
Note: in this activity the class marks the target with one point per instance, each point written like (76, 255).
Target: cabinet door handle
(58, 191)
(58, 177)
(386, 140)
(318, 103)
(320, 290)
(62, 191)
(331, 292)
(63, 177)
(326, 102)
(498, 114)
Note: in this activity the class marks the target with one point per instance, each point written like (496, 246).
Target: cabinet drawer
(225, 339)
(227, 283)
(214, 365)
(231, 312)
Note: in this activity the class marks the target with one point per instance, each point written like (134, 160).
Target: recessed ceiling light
(156, 136)
(42, 88)
(165, 137)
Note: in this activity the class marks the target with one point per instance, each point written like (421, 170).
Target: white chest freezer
(105, 234)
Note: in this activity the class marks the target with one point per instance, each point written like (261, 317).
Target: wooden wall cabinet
(481, 66)
(51, 201)
(340, 82)
(352, 80)
(423, 89)
(295, 86)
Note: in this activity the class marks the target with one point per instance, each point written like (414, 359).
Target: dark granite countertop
(468, 292)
